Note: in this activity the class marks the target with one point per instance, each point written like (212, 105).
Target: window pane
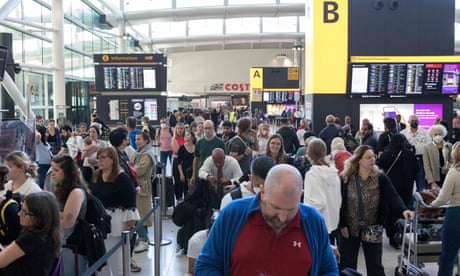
(302, 23)
(168, 29)
(291, 1)
(205, 27)
(279, 24)
(198, 3)
(252, 2)
(139, 5)
(243, 25)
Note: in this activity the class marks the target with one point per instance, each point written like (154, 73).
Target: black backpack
(89, 233)
(97, 215)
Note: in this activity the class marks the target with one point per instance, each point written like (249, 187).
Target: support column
(58, 58)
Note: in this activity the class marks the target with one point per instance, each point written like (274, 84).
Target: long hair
(20, 159)
(351, 166)
(71, 179)
(281, 156)
(175, 130)
(115, 170)
(45, 217)
(316, 151)
(42, 131)
(456, 155)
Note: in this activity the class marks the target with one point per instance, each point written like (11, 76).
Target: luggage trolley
(424, 241)
(428, 249)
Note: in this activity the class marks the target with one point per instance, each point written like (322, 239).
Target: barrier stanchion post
(159, 206)
(163, 191)
(157, 235)
(125, 245)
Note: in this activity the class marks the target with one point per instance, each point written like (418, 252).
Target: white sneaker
(141, 247)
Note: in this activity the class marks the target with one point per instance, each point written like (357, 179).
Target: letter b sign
(330, 14)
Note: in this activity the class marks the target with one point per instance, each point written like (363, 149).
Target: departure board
(130, 72)
(402, 79)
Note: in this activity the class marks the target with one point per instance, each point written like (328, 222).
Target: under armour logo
(297, 244)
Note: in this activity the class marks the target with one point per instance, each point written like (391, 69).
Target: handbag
(369, 233)
(394, 162)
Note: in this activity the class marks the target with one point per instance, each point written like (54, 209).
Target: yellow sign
(326, 46)
(293, 73)
(256, 83)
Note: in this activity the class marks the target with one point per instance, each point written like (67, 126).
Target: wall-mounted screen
(376, 79)
(277, 109)
(450, 78)
(130, 72)
(427, 113)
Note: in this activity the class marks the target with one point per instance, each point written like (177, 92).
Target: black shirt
(119, 194)
(38, 259)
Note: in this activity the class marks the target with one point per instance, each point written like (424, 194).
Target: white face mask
(437, 139)
(256, 189)
(162, 125)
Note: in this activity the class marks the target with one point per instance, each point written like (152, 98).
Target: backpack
(14, 200)
(97, 215)
(89, 233)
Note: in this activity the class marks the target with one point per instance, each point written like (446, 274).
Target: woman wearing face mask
(436, 157)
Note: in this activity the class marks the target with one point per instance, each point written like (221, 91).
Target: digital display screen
(426, 113)
(121, 78)
(403, 79)
(432, 78)
(450, 78)
(130, 72)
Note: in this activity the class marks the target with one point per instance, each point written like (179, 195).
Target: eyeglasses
(102, 157)
(25, 213)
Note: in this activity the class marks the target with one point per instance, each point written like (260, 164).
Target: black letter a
(330, 8)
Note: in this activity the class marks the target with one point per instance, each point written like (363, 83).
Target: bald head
(208, 127)
(218, 157)
(284, 178)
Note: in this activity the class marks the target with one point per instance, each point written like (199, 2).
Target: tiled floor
(174, 263)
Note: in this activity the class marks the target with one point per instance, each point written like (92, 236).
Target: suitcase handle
(401, 259)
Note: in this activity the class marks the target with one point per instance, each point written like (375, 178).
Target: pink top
(180, 142)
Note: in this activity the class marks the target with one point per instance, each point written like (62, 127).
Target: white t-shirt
(28, 187)
(228, 197)
(196, 242)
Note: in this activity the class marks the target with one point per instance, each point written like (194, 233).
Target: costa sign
(229, 87)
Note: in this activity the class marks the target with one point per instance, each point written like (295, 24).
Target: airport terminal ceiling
(185, 25)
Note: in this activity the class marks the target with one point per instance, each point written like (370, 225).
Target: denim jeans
(69, 265)
(164, 155)
(450, 241)
(142, 233)
(42, 170)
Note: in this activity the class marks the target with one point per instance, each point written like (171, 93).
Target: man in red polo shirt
(270, 234)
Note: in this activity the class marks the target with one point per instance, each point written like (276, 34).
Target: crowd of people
(311, 199)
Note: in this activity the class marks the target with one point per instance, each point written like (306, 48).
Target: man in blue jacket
(269, 234)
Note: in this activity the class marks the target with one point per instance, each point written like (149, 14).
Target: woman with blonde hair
(450, 194)
(367, 193)
(263, 133)
(21, 174)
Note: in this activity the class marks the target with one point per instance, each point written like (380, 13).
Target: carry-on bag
(407, 269)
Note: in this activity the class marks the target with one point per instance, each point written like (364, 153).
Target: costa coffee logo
(229, 87)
